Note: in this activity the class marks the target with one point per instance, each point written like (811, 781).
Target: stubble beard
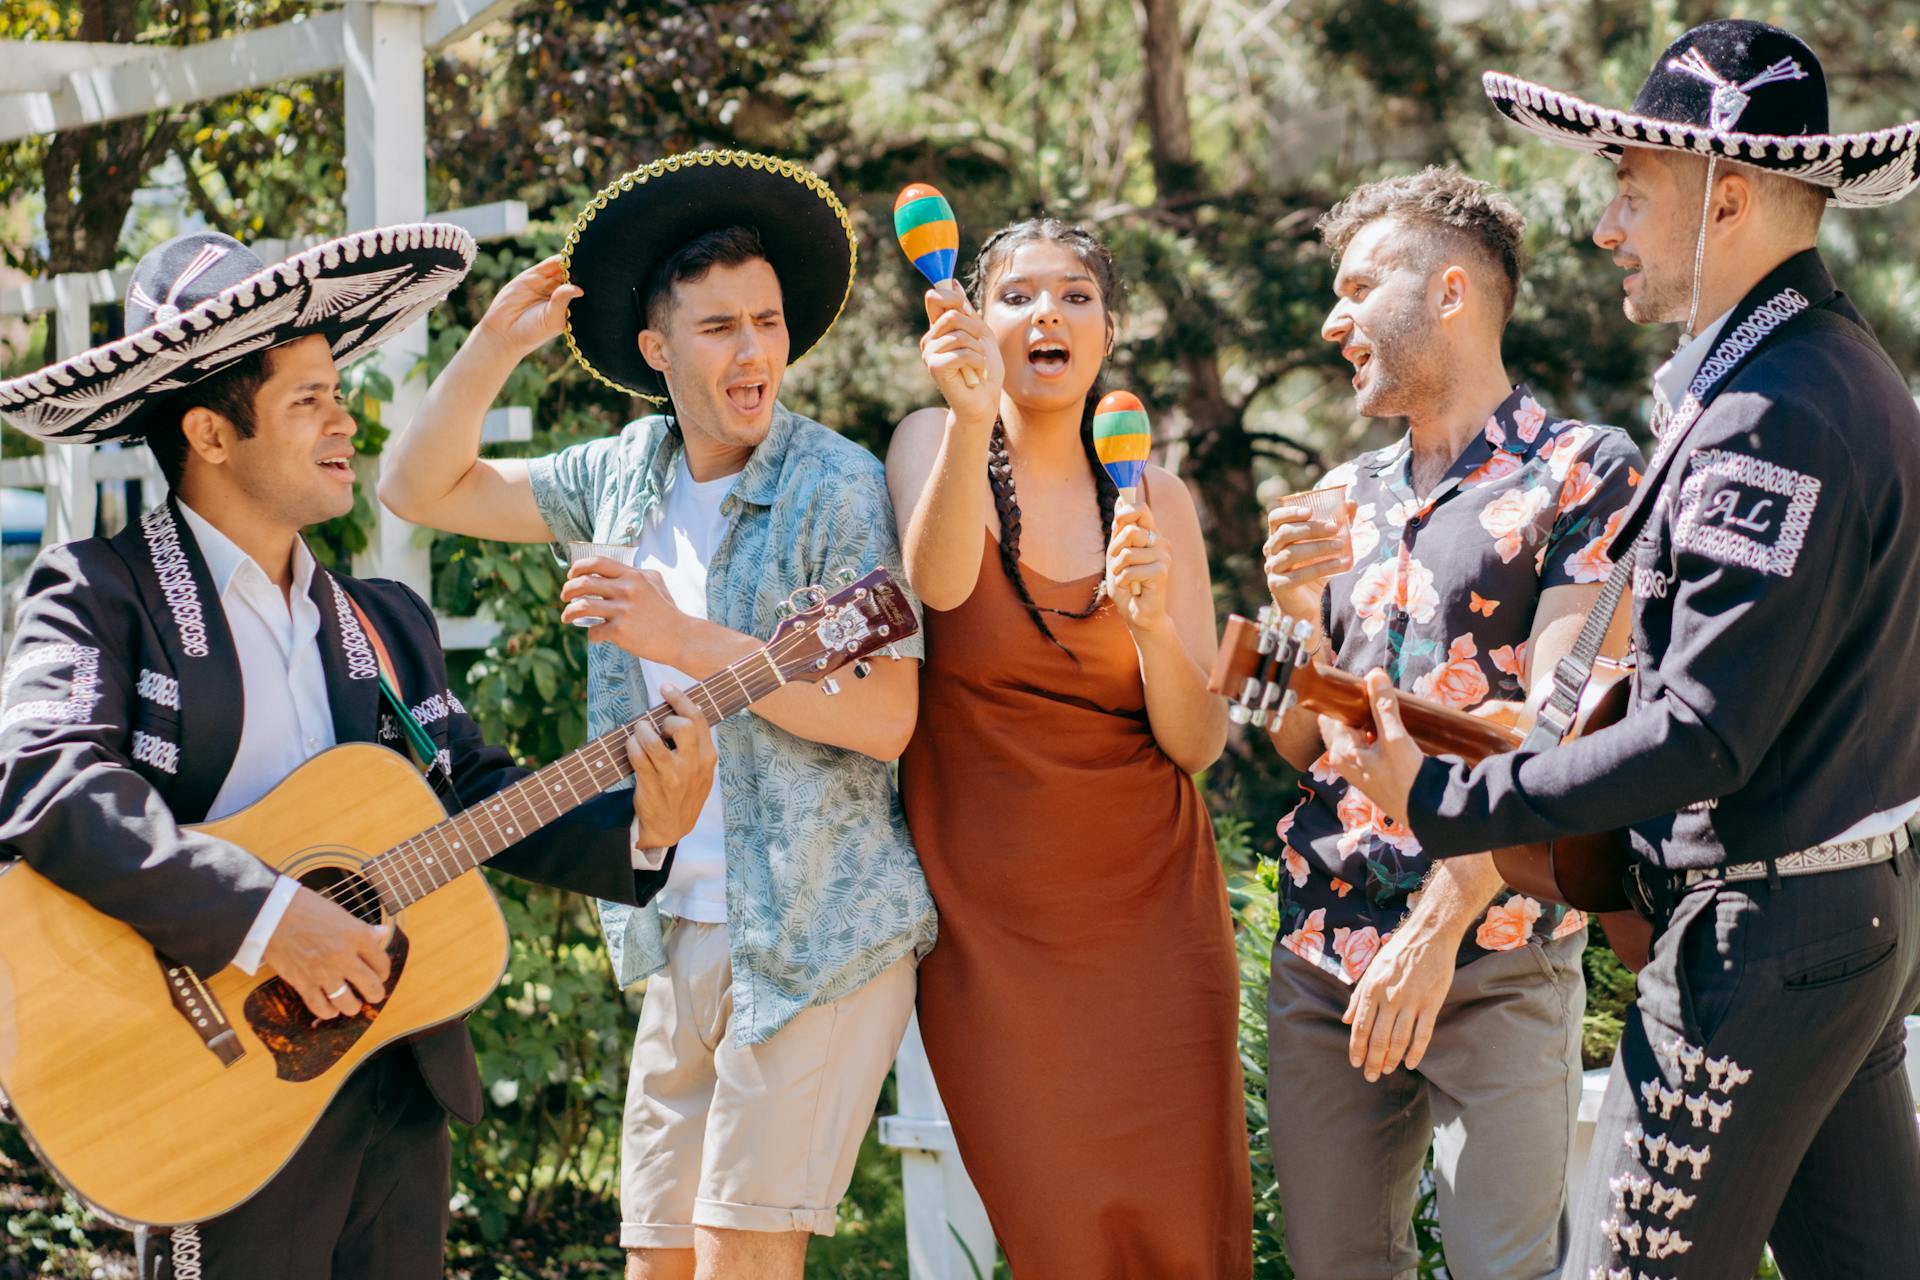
(1409, 376)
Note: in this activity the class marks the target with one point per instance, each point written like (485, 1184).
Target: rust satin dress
(1080, 1009)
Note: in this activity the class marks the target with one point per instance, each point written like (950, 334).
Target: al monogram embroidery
(171, 567)
(1755, 516)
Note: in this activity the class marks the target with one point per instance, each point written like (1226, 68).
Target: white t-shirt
(678, 545)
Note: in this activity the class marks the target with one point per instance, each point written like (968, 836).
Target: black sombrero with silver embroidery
(201, 301)
(1740, 90)
(637, 221)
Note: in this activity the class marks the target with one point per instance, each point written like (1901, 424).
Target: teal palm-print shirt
(824, 889)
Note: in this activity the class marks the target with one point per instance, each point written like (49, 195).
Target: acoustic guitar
(161, 1096)
(1263, 671)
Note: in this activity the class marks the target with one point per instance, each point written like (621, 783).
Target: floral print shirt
(1442, 595)
(824, 890)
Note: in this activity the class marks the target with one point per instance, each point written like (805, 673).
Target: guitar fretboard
(416, 867)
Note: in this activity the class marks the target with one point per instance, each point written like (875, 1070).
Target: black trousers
(1760, 1095)
(364, 1199)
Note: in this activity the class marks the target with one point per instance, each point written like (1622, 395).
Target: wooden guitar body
(1260, 669)
(162, 1097)
(101, 1056)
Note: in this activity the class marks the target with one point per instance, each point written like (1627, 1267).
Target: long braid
(1006, 504)
(1006, 501)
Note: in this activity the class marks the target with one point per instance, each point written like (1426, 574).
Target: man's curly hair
(1447, 210)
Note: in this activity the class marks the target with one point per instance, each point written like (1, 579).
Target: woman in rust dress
(1081, 1007)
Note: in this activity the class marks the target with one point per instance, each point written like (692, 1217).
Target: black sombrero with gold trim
(635, 222)
(1740, 90)
(203, 300)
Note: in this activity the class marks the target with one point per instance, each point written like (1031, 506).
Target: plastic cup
(1324, 506)
(578, 551)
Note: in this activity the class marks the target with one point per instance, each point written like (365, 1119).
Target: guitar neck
(416, 867)
(1439, 729)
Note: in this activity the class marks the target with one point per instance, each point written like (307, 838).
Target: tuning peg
(829, 686)
(844, 576)
(892, 651)
(1238, 713)
(862, 669)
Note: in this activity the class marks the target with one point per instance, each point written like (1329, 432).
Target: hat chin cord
(1700, 254)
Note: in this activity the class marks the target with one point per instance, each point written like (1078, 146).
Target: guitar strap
(419, 742)
(1570, 674)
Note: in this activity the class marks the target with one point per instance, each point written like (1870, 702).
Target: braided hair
(1006, 502)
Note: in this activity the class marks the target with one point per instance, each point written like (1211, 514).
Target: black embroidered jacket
(1776, 612)
(120, 716)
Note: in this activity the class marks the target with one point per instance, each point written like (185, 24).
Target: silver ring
(335, 995)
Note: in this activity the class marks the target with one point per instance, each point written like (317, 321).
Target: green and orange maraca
(1122, 439)
(930, 237)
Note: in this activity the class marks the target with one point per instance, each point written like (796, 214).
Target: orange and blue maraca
(1122, 439)
(929, 236)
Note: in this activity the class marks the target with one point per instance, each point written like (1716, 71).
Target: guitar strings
(357, 893)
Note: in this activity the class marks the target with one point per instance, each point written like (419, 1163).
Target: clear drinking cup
(1324, 506)
(578, 551)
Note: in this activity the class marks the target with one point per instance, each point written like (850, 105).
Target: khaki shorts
(758, 1137)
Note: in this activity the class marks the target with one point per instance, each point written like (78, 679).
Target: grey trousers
(365, 1197)
(1496, 1098)
(1759, 1093)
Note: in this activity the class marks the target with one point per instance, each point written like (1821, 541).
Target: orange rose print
(1341, 888)
(1508, 924)
(1365, 533)
(1572, 922)
(1529, 418)
(1404, 584)
(1510, 658)
(1309, 941)
(1363, 819)
(1322, 770)
(1501, 465)
(1564, 449)
(1509, 517)
(1591, 563)
(1496, 434)
(1579, 486)
(1296, 867)
(1458, 681)
(1356, 949)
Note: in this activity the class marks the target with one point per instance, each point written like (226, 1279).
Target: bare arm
(1159, 549)
(873, 716)
(937, 464)
(433, 473)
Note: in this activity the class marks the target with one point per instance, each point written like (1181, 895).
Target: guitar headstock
(827, 632)
(1256, 661)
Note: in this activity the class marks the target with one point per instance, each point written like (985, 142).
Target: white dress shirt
(1670, 382)
(285, 716)
(285, 719)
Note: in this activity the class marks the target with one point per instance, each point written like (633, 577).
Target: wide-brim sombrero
(648, 214)
(1740, 90)
(201, 301)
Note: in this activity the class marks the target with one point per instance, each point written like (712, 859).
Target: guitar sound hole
(352, 891)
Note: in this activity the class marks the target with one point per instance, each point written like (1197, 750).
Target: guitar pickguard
(304, 1047)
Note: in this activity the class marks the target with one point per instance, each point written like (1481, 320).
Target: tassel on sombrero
(1740, 90)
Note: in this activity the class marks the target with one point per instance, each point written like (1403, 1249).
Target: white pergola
(380, 46)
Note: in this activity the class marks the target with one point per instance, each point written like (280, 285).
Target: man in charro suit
(176, 672)
(1768, 765)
